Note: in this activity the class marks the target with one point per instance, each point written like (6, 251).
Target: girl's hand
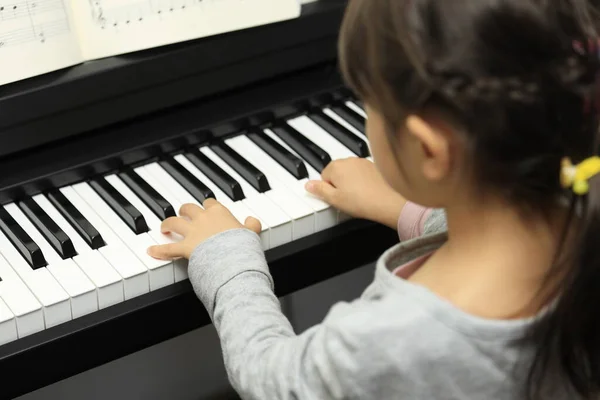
(354, 186)
(195, 226)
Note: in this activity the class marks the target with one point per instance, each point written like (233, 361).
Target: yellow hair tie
(577, 176)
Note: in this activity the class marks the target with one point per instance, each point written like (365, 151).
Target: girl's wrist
(388, 209)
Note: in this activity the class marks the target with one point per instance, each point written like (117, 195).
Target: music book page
(111, 27)
(40, 36)
(36, 37)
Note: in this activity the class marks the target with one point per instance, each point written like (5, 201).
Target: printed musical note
(31, 21)
(109, 27)
(123, 13)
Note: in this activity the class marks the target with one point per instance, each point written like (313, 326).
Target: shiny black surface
(81, 225)
(75, 101)
(309, 151)
(148, 194)
(350, 140)
(21, 240)
(57, 238)
(128, 213)
(286, 159)
(185, 178)
(350, 116)
(222, 179)
(255, 177)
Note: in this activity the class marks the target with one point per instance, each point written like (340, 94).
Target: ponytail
(567, 339)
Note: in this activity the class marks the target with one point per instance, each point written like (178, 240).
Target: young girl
(476, 111)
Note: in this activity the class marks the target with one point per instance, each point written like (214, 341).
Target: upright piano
(93, 157)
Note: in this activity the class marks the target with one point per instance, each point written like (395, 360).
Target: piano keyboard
(80, 248)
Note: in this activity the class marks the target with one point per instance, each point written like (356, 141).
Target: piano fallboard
(76, 101)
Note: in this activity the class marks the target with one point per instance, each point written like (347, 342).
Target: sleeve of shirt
(263, 356)
(416, 221)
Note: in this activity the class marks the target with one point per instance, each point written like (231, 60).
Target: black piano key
(338, 131)
(309, 151)
(21, 240)
(286, 159)
(148, 194)
(85, 229)
(186, 179)
(357, 121)
(128, 213)
(249, 172)
(222, 179)
(48, 228)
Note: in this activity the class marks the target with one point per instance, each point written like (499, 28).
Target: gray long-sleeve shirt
(397, 341)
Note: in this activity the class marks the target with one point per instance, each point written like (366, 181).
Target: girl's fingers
(253, 224)
(322, 190)
(191, 211)
(176, 225)
(210, 202)
(168, 251)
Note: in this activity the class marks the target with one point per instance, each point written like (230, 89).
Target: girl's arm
(355, 186)
(263, 356)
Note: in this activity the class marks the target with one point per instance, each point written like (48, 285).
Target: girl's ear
(434, 145)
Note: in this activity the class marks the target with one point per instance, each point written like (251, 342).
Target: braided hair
(520, 77)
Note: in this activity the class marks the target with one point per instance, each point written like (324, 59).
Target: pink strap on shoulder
(412, 221)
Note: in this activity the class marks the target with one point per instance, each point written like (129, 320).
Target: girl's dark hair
(520, 77)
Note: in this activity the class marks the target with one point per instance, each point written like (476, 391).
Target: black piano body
(89, 120)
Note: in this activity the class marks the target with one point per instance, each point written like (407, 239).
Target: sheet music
(112, 27)
(36, 36)
(121, 13)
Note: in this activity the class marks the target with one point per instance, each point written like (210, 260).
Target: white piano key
(313, 174)
(152, 220)
(56, 301)
(160, 271)
(90, 214)
(109, 286)
(78, 243)
(8, 324)
(279, 222)
(133, 283)
(320, 137)
(49, 253)
(332, 114)
(328, 214)
(29, 313)
(303, 215)
(128, 271)
(71, 277)
(80, 289)
(239, 210)
(158, 173)
(110, 289)
(356, 108)
(160, 187)
(323, 139)
(180, 266)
